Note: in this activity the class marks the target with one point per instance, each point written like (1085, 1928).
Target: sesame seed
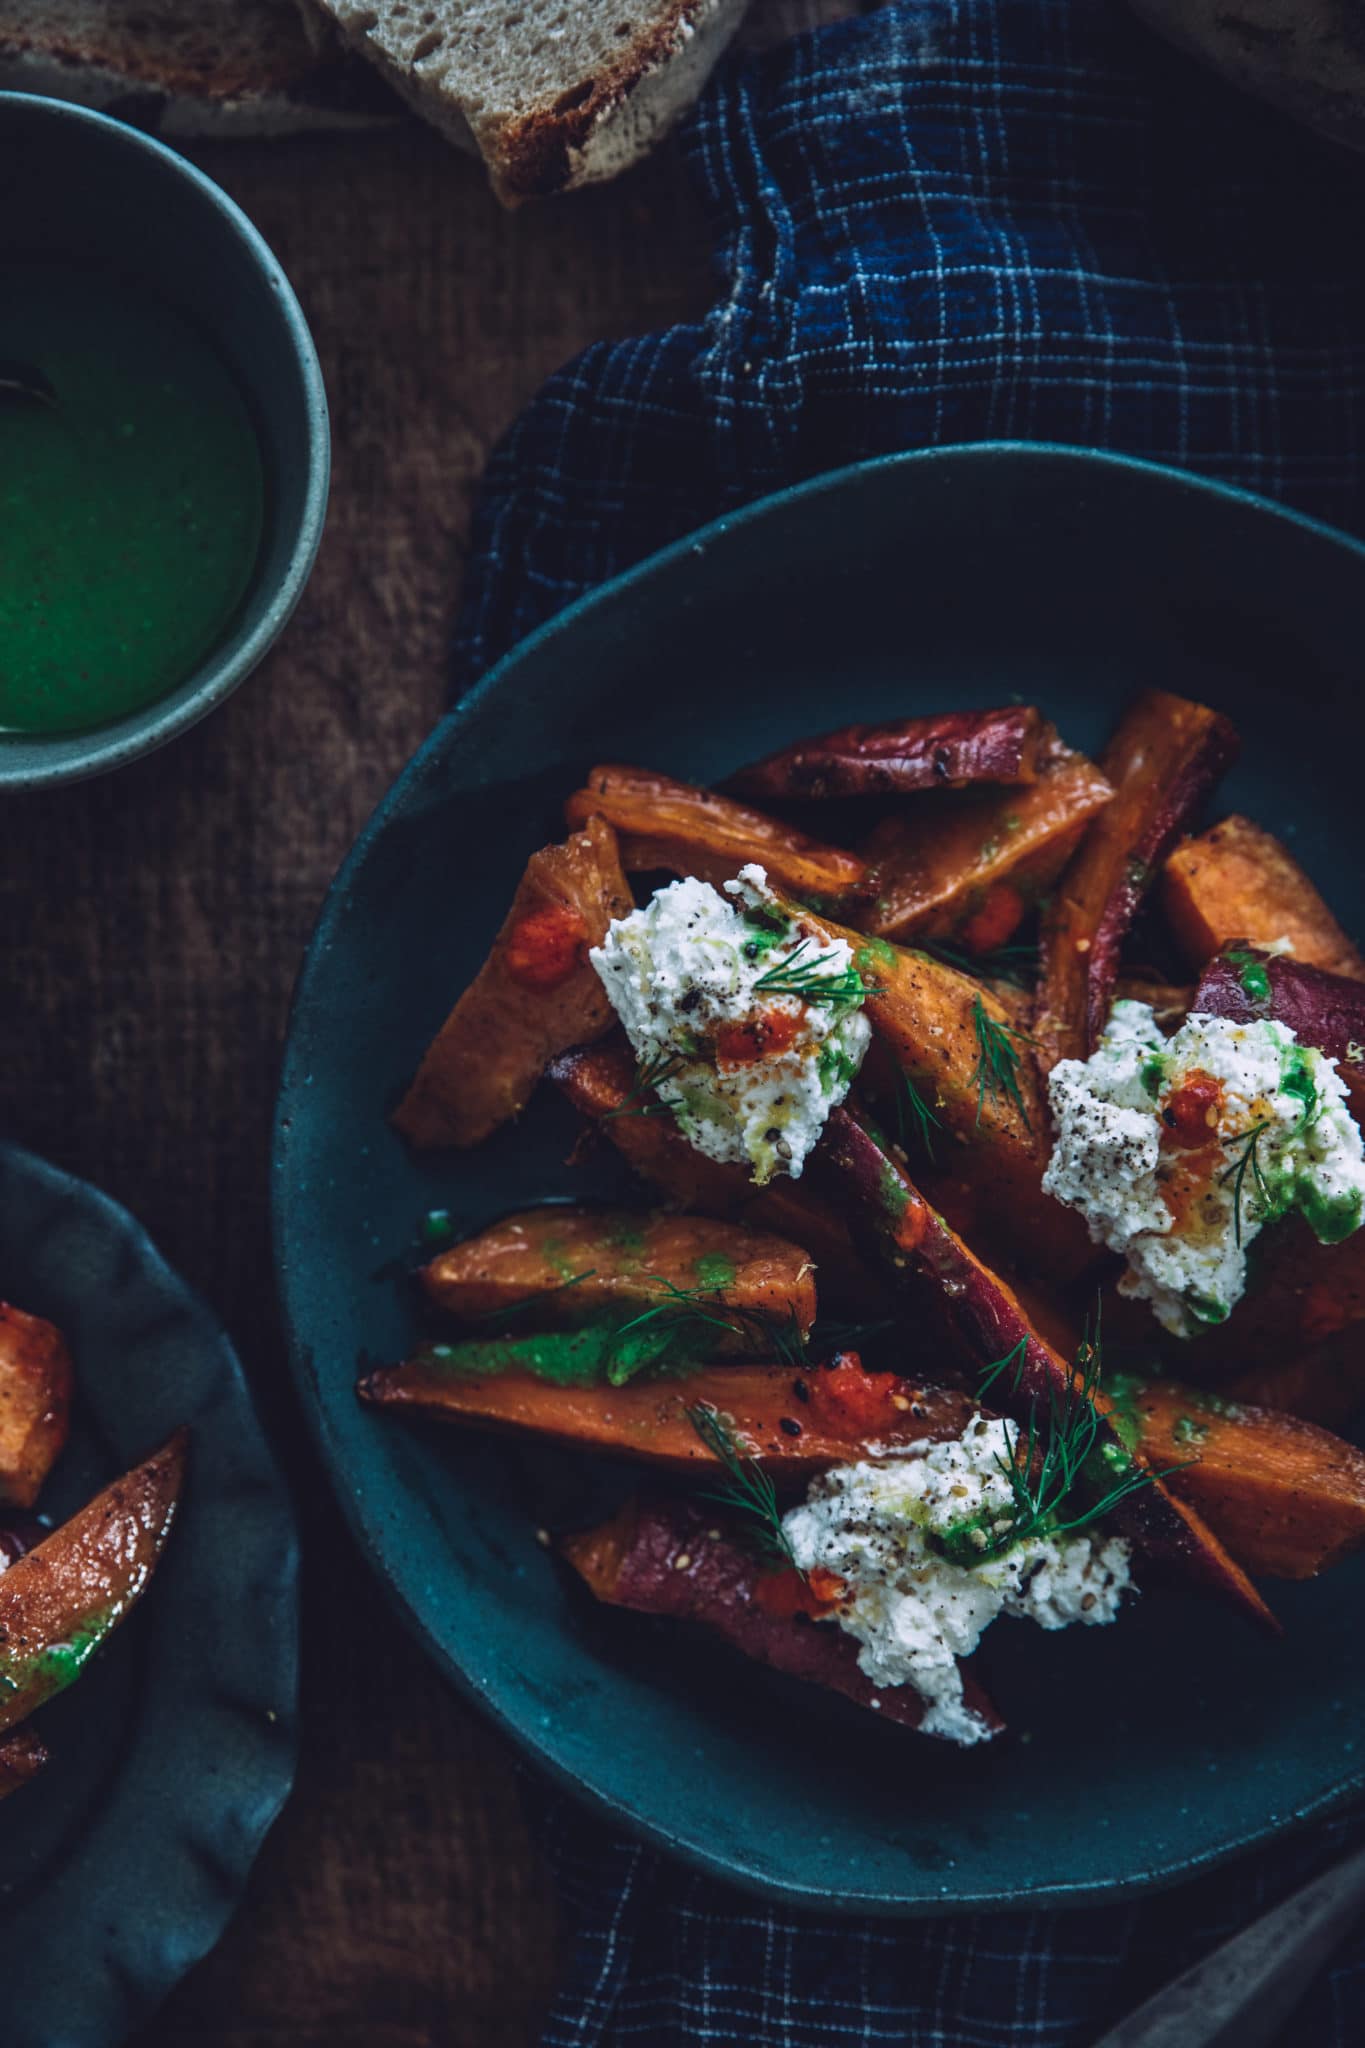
(682, 1561)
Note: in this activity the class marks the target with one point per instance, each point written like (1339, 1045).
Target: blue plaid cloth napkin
(947, 221)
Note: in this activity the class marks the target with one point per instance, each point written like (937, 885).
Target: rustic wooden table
(153, 924)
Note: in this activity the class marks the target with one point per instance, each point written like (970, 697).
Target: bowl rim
(36, 761)
(394, 1572)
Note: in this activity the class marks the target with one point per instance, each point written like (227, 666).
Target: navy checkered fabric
(949, 221)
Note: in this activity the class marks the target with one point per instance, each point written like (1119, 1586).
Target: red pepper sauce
(546, 946)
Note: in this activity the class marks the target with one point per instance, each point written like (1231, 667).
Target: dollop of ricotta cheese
(1179, 1151)
(708, 990)
(914, 1612)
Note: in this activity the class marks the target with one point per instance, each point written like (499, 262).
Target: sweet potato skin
(969, 867)
(942, 751)
(678, 1559)
(22, 1756)
(668, 824)
(647, 1419)
(1237, 881)
(1321, 1009)
(527, 1001)
(1286, 1497)
(1162, 761)
(916, 1247)
(64, 1597)
(35, 1403)
(620, 1263)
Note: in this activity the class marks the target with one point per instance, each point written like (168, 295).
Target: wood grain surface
(153, 922)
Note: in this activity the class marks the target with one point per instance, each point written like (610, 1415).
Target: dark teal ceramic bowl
(1138, 1753)
(125, 1858)
(74, 183)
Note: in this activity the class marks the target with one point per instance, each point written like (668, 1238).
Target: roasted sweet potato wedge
(648, 1419)
(560, 1267)
(970, 867)
(918, 1250)
(22, 1756)
(966, 1054)
(67, 1595)
(536, 993)
(1287, 1498)
(1162, 761)
(667, 824)
(1236, 881)
(1321, 1009)
(675, 1558)
(943, 751)
(598, 1080)
(35, 1403)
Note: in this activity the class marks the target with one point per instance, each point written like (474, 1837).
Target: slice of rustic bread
(191, 67)
(553, 93)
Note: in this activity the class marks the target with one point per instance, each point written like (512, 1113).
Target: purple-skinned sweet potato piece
(1163, 760)
(677, 1558)
(946, 750)
(919, 1250)
(22, 1756)
(1321, 1009)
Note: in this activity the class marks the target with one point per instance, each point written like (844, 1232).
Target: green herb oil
(131, 507)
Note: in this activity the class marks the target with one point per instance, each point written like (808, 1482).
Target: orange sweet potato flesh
(35, 1403)
(945, 750)
(598, 1080)
(970, 866)
(22, 1756)
(1162, 761)
(920, 1252)
(563, 1267)
(70, 1592)
(1236, 881)
(668, 824)
(536, 993)
(1286, 1497)
(648, 1420)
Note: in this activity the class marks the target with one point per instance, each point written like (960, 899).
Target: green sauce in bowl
(131, 506)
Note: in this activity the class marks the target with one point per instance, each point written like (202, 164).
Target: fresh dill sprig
(914, 1118)
(1017, 965)
(1247, 1162)
(808, 978)
(996, 1073)
(1044, 1466)
(650, 1074)
(516, 1308)
(681, 1308)
(748, 1489)
(1012, 1363)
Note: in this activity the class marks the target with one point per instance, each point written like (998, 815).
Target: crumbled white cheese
(690, 978)
(1278, 1137)
(913, 1611)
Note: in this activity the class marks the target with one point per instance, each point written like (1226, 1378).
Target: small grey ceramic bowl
(78, 183)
